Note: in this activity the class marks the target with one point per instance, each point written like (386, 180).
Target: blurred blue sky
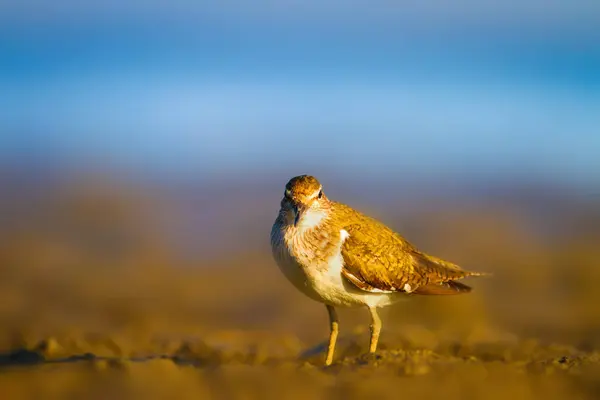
(346, 86)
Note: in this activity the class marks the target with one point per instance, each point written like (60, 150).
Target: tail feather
(442, 276)
(444, 269)
(471, 273)
(443, 288)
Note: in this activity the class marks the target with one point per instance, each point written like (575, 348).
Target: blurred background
(144, 147)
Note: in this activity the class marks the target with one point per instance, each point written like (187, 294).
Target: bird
(341, 257)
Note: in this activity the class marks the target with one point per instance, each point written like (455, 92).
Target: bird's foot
(369, 358)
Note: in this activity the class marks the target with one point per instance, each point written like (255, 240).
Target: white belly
(320, 284)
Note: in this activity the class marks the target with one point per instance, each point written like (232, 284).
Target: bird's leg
(334, 326)
(375, 329)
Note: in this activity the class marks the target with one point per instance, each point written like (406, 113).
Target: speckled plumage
(341, 257)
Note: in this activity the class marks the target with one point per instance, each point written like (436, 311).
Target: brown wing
(376, 259)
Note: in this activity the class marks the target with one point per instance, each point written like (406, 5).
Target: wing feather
(376, 259)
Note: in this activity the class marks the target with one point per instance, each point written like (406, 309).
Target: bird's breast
(312, 262)
(310, 248)
(295, 259)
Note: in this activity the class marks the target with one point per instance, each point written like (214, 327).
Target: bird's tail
(482, 274)
(443, 288)
(450, 273)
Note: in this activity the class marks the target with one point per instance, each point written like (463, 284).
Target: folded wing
(376, 259)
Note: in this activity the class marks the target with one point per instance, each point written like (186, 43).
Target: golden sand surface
(98, 307)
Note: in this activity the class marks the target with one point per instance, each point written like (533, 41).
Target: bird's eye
(320, 193)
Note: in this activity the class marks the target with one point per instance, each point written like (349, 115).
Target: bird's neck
(312, 219)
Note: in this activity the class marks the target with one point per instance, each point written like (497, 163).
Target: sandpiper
(343, 258)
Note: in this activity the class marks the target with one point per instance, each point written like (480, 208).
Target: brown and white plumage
(341, 257)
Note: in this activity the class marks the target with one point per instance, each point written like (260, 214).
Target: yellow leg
(334, 326)
(375, 329)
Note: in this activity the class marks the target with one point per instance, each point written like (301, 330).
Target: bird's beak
(298, 211)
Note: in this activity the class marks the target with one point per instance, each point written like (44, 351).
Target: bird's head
(303, 197)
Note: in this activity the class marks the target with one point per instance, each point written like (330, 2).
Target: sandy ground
(94, 305)
(76, 341)
(245, 366)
